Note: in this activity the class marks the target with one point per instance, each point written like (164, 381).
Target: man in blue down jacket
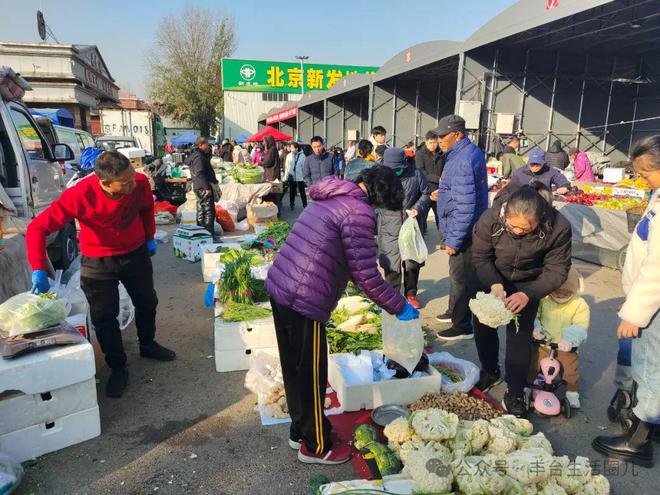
(319, 164)
(462, 197)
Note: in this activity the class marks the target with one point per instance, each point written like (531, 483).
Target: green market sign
(284, 77)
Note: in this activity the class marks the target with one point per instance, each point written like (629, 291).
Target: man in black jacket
(203, 176)
(430, 160)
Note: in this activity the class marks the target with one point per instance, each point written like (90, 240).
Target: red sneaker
(414, 302)
(338, 454)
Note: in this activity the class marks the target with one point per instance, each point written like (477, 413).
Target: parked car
(31, 168)
(113, 143)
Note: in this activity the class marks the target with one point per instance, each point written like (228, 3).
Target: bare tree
(184, 65)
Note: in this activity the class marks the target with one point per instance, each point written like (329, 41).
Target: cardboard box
(402, 391)
(188, 240)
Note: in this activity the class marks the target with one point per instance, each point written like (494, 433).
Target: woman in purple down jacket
(332, 242)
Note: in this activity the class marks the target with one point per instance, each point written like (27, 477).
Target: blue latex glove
(152, 246)
(209, 296)
(40, 283)
(407, 313)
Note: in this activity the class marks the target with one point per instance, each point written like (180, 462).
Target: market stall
(602, 216)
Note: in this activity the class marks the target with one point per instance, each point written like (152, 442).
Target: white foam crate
(19, 410)
(238, 359)
(48, 369)
(230, 336)
(37, 440)
(401, 392)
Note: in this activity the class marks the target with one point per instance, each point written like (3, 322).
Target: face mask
(398, 172)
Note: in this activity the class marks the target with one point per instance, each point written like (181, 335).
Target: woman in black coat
(521, 252)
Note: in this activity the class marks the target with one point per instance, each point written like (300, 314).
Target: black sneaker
(454, 334)
(117, 383)
(515, 404)
(157, 352)
(488, 380)
(444, 317)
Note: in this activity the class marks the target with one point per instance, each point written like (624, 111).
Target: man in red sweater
(115, 209)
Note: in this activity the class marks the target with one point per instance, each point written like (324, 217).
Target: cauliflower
(430, 473)
(474, 476)
(535, 441)
(598, 485)
(514, 487)
(529, 466)
(571, 475)
(490, 310)
(551, 488)
(434, 424)
(412, 445)
(471, 437)
(398, 431)
(519, 426)
(439, 449)
(502, 440)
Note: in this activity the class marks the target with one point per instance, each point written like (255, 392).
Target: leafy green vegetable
(233, 254)
(244, 312)
(354, 342)
(451, 374)
(315, 484)
(249, 174)
(276, 232)
(26, 313)
(237, 282)
(353, 290)
(339, 315)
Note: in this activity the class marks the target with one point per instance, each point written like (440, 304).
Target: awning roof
(417, 56)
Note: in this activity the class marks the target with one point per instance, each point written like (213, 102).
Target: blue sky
(357, 32)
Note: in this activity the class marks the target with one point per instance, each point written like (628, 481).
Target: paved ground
(183, 428)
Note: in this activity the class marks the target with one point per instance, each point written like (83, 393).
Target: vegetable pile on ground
(442, 453)
(491, 311)
(237, 284)
(276, 233)
(354, 325)
(464, 406)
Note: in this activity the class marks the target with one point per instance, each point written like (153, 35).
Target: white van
(31, 171)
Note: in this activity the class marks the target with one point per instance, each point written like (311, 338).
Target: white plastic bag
(403, 341)
(28, 313)
(411, 243)
(467, 369)
(356, 369)
(265, 373)
(231, 207)
(126, 308)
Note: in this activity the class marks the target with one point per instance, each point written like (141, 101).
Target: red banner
(285, 114)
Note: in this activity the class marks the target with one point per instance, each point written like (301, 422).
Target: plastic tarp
(58, 116)
(599, 234)
(269, 131)
(185, 138)
(241, 139)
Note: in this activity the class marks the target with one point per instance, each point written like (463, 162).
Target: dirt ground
(184, 428)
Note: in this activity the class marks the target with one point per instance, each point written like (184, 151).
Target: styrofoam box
(242, 335)
(19, 410)
(402, 391)
(40, 439)
(237, 360)
(210, 258)
(48, 369)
